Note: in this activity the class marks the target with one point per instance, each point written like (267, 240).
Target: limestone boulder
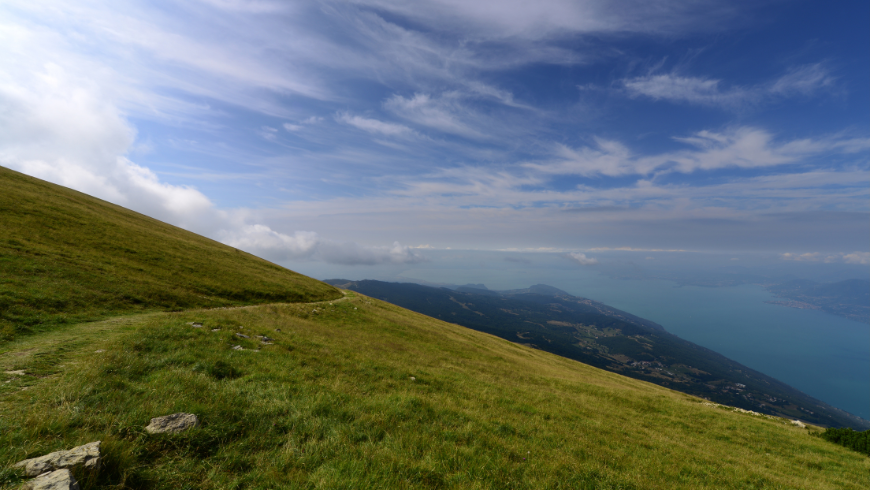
(54, 480)
(86, 456)
(177, 422)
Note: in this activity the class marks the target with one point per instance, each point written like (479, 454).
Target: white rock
(87, 456)
(177, 422)
(799, 423)
(56, 480)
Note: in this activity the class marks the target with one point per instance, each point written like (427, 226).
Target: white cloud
(802, 80)
(373, 125)
(59, 130)
(581, 258)
(857, 258)
(248, 6)
(862, 258)
(56, 128)
(265, 242)
(305, 122)
(687, 89)
(741, 147)
(499, 19)
(444, 113)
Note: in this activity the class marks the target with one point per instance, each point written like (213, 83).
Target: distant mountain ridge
(578, 328)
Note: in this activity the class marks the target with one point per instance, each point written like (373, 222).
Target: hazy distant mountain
(849, 299)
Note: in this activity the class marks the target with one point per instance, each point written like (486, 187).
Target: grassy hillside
(363, 394)
(595, 334)
(66, 257)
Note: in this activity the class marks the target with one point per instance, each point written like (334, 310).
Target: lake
(825, 356)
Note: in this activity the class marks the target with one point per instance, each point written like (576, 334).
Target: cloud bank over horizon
(337, 131)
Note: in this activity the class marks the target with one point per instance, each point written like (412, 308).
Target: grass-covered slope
(66, 257)
(363, 394)
(595, 334)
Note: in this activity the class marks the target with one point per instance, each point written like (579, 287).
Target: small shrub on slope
(852, 439)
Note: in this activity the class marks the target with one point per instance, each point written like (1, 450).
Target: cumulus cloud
(263, 241)
(581, 258)
(58, 129)
(862, 258)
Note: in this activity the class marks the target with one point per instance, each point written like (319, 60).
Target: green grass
(66, 257)
(332, 405)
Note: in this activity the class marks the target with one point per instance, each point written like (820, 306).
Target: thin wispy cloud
(741, 147)
(373, 125)
(799, 81)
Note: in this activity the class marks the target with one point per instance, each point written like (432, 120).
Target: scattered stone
(413, 378)
(99, 350)
(87, 456)
(195, 324)
(242, 335)
(56, 480)
(177, 422)
(238, 347)
(264, 338)
(20, 372)
(799, 423)
(215, 330)
(277, 329)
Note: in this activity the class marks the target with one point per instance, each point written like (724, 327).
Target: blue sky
(366, 132)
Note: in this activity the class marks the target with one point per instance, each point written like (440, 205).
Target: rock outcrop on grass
(86, 456)
(177, 422)
(55, 480)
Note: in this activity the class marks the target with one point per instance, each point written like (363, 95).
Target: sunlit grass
(66, 257)
(362, 394)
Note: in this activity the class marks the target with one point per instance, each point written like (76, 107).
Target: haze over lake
(823, 355)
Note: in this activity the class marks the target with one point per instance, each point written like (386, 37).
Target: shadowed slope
(67, 257)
